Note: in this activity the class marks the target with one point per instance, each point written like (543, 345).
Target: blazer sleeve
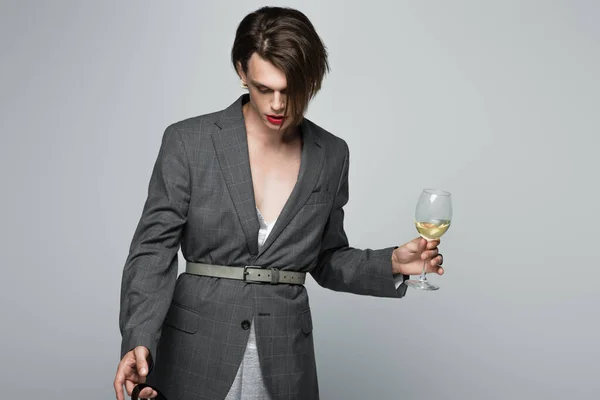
(150, 270)
(346, 269)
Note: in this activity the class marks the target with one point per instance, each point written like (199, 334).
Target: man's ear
(241, 73)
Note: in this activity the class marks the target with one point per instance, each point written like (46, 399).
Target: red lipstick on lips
(276, 119)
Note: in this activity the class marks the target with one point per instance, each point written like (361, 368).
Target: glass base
(422, 285)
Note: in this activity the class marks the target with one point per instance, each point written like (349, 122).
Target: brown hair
(287, 39)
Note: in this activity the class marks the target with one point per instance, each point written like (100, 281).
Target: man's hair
(286, 38)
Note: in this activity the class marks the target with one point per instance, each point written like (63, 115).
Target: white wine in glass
(432, 219)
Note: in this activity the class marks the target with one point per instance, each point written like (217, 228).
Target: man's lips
(276, 119)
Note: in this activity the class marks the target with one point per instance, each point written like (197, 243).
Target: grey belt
(248, 273)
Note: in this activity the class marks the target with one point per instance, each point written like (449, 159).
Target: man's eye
(263, 90)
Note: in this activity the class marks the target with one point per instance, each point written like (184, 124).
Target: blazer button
(245, 324)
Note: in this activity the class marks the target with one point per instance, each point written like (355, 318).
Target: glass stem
(423, 277)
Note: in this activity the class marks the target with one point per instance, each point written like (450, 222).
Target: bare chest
(274, 176)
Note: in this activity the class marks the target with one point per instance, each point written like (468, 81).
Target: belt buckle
(246, 273)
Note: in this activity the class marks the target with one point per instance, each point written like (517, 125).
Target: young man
(254, 195)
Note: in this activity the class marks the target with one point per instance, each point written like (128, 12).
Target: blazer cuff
(132, 339)
(399, 280)
(396, 281)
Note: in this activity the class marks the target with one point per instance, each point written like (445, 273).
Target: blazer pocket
(306, 318)
(182, 319)
(320, 197)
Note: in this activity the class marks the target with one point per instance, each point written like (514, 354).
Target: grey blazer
(200, 197)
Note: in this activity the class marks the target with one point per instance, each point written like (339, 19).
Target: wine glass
(432, 219)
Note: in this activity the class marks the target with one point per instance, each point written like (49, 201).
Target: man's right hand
(132, 370)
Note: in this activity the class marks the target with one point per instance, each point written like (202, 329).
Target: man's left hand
(408, 259)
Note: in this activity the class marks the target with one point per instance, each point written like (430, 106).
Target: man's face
(267, 86)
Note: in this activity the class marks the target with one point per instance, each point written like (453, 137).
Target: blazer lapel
(231, 146)
(310, 167)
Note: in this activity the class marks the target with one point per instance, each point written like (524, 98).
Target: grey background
(495, 101)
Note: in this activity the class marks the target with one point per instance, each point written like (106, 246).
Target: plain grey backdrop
(495, 101)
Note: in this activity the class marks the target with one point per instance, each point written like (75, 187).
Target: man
(254, 195)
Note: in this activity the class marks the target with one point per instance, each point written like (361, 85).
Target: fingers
(429, 254)
(422, 244)
(141, 354)
(145, 393)
(148, 393)
(432, 244)
(435, 264)
(418, 244)
(132, 370)
(125, 373)
(129, 385)
(119, 381)
(435, 258)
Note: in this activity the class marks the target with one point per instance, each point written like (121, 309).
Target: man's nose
(277, 103)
